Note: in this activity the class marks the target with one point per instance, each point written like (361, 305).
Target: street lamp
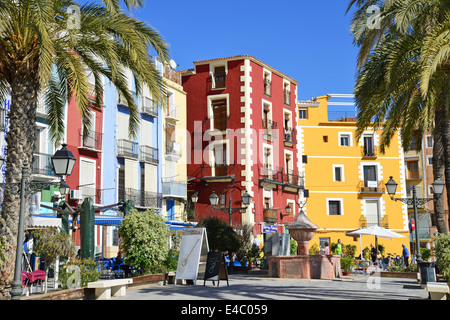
(438, 188)
(246, 200)
(62, 162)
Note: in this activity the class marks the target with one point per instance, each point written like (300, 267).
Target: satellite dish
(172, 64)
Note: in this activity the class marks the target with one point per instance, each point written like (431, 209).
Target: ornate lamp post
(63, 162)
(438, 188)
(214, 200)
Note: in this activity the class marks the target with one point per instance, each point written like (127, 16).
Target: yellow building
(346, 178)
(174, 177)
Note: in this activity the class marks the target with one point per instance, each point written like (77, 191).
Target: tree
(144, 240)
(221, 235)
(47, 48)
(51, 244)
(403, 74)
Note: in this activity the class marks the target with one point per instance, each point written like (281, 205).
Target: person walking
(339, 247)
(405, 255)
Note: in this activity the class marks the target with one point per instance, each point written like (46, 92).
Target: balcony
(269, 132)
(89, 192)
(270, 177)
(368, 152)
(171, 112)
(413, 176)
(174, 188)
(92, 142)
(149, 154)
(371, 187)
(122, 101)
(217, 173)
(290, 137)
(219, 80)
(42, 164)
(173, 149)
(127, 148)
(141, 198)
(270, 215)
(149, 107)
(172, 75)
(293, 181)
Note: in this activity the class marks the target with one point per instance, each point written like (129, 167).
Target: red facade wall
(198, 87)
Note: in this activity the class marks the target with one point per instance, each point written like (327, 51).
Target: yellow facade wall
(360, 193)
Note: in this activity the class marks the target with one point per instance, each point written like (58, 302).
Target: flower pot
(346, 273)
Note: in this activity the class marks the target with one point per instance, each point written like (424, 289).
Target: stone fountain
(303, 265)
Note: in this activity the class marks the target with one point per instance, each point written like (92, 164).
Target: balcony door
(220, 114)
(370, 176)
(220, 159)
(368, 146)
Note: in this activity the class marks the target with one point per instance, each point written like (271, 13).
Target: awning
(43, 222)
(102, 220)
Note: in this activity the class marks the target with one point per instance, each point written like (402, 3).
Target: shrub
(294, 246)
(442, 254)
(145, 240)
(221, 235)
(78, 273)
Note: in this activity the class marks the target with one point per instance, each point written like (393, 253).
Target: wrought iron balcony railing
(127, 148)
(92, 141)
(42, 164)
(149, 154)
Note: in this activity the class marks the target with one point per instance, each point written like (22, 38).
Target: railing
(218, 170)
(290, 135)
(171, 111)
(268, 125)
(174, 187)
(368, 186)
(293, 178)
(368, 151)
(149, 154)
(141, 198)
(2, 119)
(122, 101)
(95, 194)
(127, 148)
(273, 174)
(270, 215)
(413, 176)
(42, 164)
(219, 79)
(92, 141)
(173, 148)
(149, 107)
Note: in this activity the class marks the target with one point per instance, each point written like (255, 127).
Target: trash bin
(427, 272)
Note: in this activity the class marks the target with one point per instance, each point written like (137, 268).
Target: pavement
(259, 287)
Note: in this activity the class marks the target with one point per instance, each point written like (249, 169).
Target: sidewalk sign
(193, 253)
(216, 269)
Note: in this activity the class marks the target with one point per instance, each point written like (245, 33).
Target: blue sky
(309, 41)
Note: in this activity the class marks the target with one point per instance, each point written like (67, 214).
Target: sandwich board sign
(216, 269)
(193, 253)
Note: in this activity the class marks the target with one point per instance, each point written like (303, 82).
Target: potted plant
(346, 264)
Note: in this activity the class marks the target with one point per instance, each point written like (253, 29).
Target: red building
(86, 178)
(241, 120)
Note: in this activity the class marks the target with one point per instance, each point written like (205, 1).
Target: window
(304, 159)
(325, 138)
(219, 77)
(302, 114)
(222, 202)
(344, 139)
(220, 114)
(429, 160)
(413, 169)
(267, 84)
(335, 207)
(369, 149)
(370, 176)
(287, 94)
(372, 212)
(338, 173)
(429, 141)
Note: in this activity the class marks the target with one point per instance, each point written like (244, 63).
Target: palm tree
(47, 47)
(403, 74)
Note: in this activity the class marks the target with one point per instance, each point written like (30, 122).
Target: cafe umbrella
(377, 231)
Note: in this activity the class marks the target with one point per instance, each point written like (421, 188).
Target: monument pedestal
(305, 267)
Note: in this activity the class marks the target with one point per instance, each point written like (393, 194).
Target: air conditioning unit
(75, 194)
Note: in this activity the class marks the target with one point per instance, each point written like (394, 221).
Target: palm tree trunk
(441, 164)
(439, 168)
(20, 142)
